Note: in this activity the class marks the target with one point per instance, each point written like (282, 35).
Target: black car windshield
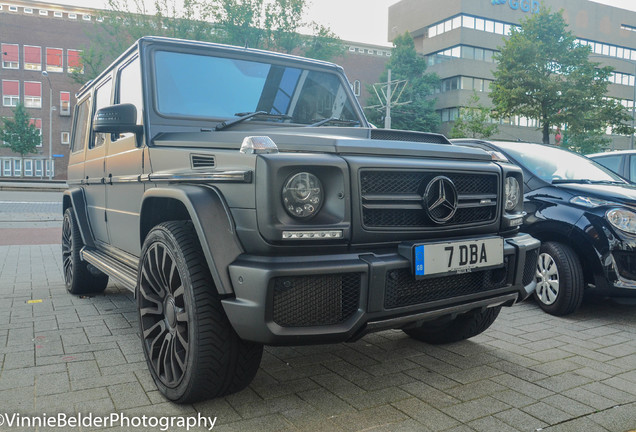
(555, 164)
(202, 86)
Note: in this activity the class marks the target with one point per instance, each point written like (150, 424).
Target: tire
(446, 330)
(191, 349)
(77, 276)
(560, 280)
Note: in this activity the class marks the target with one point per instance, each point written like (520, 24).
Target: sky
(352, 20)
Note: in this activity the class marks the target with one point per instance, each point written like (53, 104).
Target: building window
(86, 17)
(28, 10)
(74, 61)
(72, 16)
(10, 56)
(44, 12)
(13, 8)
(6, 167)
(54, 60)
(38, 167)
(58, 14)
(356, 87)
(32, 57)
(17, 167)
(628, 27)
(50, 166)
(10, 93)
(65, 138)
(28, 167)
(32, 94)
(38, 125)
(65, 103)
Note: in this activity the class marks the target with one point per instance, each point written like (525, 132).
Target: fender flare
(213, 224)
(75, 198)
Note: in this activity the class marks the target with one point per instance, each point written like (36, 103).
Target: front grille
(396, 135)
(395, 199)
(626, 264)
(530, 269)
(315, 300)
(402, 289)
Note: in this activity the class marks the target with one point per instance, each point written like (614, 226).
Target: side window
(102, 99)
(80, 126)
(130, 87)
(632, 167)
(611, 162)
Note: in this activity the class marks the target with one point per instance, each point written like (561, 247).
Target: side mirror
(116, 119)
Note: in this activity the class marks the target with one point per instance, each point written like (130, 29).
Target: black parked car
(585, 216)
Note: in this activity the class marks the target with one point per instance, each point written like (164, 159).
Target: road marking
(30, 202)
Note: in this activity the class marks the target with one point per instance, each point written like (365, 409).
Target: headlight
(513, 193)
(302, 195)
(623, 219)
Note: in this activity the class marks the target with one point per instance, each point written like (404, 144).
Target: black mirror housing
(116, 119)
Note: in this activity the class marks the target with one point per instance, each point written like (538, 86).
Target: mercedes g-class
(245, 200)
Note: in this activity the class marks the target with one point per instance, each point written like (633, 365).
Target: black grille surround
(315, 300)
(394, 199)
(530, 269)
(403, 290)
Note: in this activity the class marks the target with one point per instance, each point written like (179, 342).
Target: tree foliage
(419, 113)
(18, 133)
(266, 24)
(474, 121)
(544, 74)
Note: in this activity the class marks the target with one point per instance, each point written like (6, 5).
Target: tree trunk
(546, 132)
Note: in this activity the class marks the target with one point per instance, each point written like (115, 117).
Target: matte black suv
(244, 198)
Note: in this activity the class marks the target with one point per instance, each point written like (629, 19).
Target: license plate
(457, 257)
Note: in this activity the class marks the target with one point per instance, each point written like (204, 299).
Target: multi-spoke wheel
(560, 280)
(190, 347)
(446, 329)
(79, 279)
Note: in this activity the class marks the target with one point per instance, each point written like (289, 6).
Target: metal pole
(387, 117)
(45, 73)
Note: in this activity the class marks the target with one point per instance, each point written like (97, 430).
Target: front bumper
(334, 298)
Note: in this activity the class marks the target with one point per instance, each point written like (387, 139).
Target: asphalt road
(30, 218)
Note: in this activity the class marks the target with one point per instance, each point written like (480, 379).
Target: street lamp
(51, 109)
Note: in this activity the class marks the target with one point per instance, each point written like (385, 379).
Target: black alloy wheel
(164, 320)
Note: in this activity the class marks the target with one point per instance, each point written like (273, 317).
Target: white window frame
(28, 168)
(33, 101)
(38, 168)
(17, 167)
(6, 168)
(26, 67)
(72, 16)
(13, 8)
(48, 164)
(28, 10)
(46, 60)
(65, 138)
(11, 100)
(86, 17)
(58, 14)
(11, 64)
(44, 12)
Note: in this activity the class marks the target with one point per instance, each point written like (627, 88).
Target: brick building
(39, 37)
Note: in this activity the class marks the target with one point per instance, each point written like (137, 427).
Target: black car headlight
(623, 219)
(302, 195)
(512, 192)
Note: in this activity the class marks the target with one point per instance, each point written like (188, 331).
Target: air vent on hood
(396, 135)
(202, 161)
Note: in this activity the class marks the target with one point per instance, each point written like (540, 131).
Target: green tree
(268, 24)
(19, 133)
(419, 113)
(544, 74)
(474, 121)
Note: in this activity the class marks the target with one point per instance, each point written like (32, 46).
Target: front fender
(213, 224)
(75, 198)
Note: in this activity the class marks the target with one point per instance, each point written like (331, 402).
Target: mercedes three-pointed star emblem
(440, 199)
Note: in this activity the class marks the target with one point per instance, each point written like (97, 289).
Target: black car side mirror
(117, 119)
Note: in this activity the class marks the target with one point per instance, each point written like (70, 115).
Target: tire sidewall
(567, 262)
(161, 235)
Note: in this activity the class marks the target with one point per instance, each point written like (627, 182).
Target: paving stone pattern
(529, 372)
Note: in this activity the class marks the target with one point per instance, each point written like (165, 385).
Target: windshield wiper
(246, 116)
(333, 120)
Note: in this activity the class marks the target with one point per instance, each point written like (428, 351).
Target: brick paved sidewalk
(530, 371)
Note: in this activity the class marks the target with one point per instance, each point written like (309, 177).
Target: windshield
(550, 163)
(200, 86)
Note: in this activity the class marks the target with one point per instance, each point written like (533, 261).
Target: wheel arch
(75, 199)
(206, 209)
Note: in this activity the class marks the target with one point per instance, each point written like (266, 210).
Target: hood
(624, 194)
(339, 140)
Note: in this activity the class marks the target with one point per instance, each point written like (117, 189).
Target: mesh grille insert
(530, 266)
(315, 300)
(402, 289)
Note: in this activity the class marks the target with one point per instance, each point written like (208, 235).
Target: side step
(111, 266)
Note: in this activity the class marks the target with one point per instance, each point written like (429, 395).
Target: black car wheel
(560, 281)
(447, 330)
(190, 347)
(78, 278)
